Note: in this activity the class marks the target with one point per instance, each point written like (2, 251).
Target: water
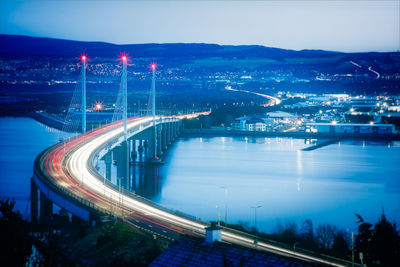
(21, 140)
(327, 185)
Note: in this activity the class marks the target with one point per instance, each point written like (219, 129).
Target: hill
(34, 46)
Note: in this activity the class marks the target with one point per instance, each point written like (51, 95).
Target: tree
(385, 242)
(325, 235)
(16, 243)
(363, 239)
(340, 247)
(307, 230)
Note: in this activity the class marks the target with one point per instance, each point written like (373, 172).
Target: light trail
(273, 100)
(355, 64)
(374, 71)
(68, 165)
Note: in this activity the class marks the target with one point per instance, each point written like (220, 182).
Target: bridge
(65, 174)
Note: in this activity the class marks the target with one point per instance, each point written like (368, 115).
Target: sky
(349, 26)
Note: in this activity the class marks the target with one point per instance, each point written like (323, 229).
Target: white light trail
(77, 165)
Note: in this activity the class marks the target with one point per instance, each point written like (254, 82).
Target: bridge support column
(159, 140)
(140, 150)
(46, 208)
(147, 149)
(171, 131)
(34, 202)
(122, 164)
(168, 133)
(164, 137)
(179, 128)
(108, 161)
(133, 150)
(175, 130)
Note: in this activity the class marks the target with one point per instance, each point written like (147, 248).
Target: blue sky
(329, 25)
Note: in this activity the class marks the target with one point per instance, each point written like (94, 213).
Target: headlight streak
(71, 171)
(78, 167)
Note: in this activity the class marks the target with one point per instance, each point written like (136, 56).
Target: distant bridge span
(65, 175)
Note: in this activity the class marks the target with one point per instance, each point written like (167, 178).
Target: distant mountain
(34, 46)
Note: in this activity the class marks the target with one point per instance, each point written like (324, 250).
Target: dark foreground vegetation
(113, 244)
(379, 243)
(71, 244)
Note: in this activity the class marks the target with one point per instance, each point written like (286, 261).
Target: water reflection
(124, 167)
(326, 185)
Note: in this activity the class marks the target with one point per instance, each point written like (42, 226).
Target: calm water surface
(21, 140)
(327, 185)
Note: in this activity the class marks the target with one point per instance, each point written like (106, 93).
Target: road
(273, 100)
(69, 166)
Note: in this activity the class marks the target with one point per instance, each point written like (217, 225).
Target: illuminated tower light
(153, 67)
(83, 60)
(124, 59)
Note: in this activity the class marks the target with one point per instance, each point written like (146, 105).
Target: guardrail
(41, 173)
(107, 183)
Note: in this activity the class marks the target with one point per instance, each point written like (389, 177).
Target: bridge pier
(159, 145)
(147, 149)
(141, 150)
(46, 208)
(171, 132)
(168, 133)
(133, 150)
(34, 202)
(122, 164)
(108, 161)
(174, 130)
(164, 136)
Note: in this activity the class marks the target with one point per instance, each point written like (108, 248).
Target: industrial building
(350, 128)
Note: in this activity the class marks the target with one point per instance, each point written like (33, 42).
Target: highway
(69, 166)
(272, 100)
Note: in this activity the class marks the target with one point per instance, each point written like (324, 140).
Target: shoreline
(221, 132)
(54, 123)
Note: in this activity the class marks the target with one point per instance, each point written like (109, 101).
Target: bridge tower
(84, 60)
(124, 59)
(153, 106)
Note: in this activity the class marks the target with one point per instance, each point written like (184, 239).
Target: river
(327, 185)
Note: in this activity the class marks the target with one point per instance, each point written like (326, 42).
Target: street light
(219, 215)
(255, 215)
(226, 204)
(352, 246)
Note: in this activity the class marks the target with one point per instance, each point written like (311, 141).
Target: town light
(98, 106)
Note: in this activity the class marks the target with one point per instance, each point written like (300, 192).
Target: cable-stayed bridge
(66, 174)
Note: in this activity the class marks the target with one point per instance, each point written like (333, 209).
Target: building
(196, 252)
(282, 116)
(270, 121)
(240, 123)
(350, 128)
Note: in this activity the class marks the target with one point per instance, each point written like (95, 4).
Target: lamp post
(352, 246)
(218, 215)
(255, 215)
(226, 204)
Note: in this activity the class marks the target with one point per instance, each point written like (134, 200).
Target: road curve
(69, 167)
(272, 100)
